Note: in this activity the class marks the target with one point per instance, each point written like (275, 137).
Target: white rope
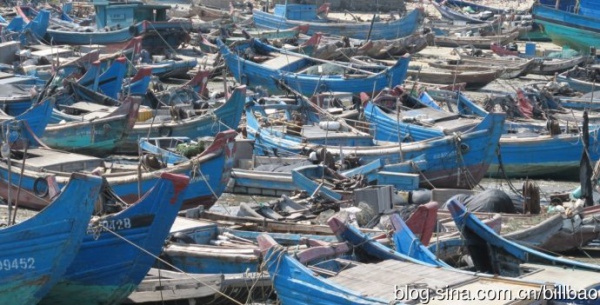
(168, 264)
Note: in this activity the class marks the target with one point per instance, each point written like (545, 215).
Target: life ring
(165, 131)
(40, 187)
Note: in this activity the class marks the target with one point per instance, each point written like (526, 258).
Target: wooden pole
(285, 52)
(371, 27)
(14, 214)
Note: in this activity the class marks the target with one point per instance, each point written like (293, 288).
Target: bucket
(144, 114)
(530, 49)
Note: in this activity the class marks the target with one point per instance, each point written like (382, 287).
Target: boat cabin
(306, 12)
(127, 13)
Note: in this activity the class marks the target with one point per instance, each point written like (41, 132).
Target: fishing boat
(525, 144)
(511, 70)
(516, 264)
(290, 15)
(34, 120)
(228, 246)
(108, 82)
(272, 66)
(474, 6)
(46, 170)
(342, 49)
(274, 176)
(411, 120)
(480, 42)
(342, 281)
(548, 65)
(118, 22)
(472, 78)
(578, 30)
(39, 250)
(513, 259)
(554, 62)
(92, 128)
(288, 35)
(16, 98)
(170, 68)
(297, 120)
(439, 170)
(321, 180)
(554, 232)
(164, 285)
(448, 13)
(580, 79)
(137, 234)
(179, 118)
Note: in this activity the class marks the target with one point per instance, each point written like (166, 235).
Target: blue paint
(381, 30)
(108, 265)
(254, 74)
(43, 246)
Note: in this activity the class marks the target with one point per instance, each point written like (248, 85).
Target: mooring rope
(167, 263)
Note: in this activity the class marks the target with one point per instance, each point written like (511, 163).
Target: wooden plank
(184, 223)
(576, 279)
(280, 61)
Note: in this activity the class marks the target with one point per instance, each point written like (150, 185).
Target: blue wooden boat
(120, 248)
(580, 79)
(298, 121)
(441, 170)
(170, 68)
(406, 244)
(28, 12)
(409, 252)
(11, 31)
(42, 29)
(195, 247)
(209, 172)
(39, 250)
(525, 153)
(200, 246)
(341, 281)
(138, 84)
(34, 120)
(451, 14)
(170, 150)
(194, 123)
(16, 98)
(299, 72)
(93, 128)
(287, 16)
(474, 6)
(117, 22)
(311, 178)
(108, 82)
(578, 30)
(494, 254)
(413, 120)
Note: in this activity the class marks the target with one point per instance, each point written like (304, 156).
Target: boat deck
(281, 61)
(442, 119)
(315, 132)
(384, 279)
(576, 279)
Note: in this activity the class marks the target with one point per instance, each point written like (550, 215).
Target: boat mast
(5, 152)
